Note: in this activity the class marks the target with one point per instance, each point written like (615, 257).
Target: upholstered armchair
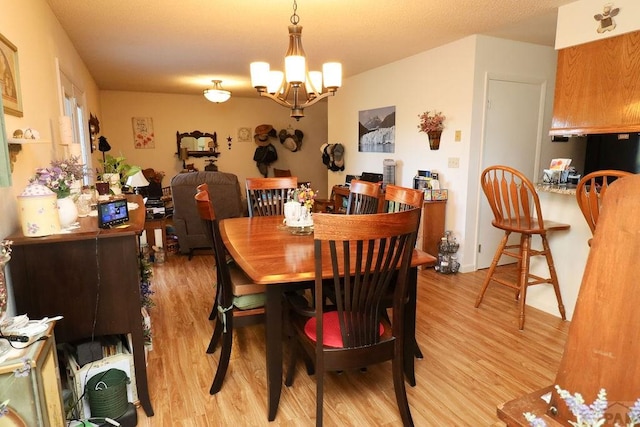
(225, 194)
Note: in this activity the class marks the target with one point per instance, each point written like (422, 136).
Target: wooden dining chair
(590, 193)
(516, 209)
(402, 198)
(363, 197)
(239, 301)
(279, 173)
(376, 249)
(398, 199)
(267, 196)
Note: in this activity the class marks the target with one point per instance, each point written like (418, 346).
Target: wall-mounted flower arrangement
(432, 123)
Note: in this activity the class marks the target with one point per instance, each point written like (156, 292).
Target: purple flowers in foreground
(586, 415)
(60, 175)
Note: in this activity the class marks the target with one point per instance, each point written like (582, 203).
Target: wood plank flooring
(474, 359)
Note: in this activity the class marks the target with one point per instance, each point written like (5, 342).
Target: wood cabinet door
(597, 87)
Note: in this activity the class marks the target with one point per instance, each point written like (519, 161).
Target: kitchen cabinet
(432, 226)
(597, 87)
(91, 276)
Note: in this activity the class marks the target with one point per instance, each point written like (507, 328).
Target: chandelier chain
(295, 18)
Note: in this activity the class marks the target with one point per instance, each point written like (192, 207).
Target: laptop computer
(371, 177)
(349, 178)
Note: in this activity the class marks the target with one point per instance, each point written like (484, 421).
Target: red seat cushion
(331, 336)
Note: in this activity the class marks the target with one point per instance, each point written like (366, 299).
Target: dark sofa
(226, 197)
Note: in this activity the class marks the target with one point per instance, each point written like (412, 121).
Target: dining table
(282, 258)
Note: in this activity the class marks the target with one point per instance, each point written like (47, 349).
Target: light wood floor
(474, 359)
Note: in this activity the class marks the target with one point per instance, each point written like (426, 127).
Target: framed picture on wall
(376, 130)
(10, 78)
(143, 136)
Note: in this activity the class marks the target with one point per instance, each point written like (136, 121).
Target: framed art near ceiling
(143, 132)
(10, 78)
(376, 130)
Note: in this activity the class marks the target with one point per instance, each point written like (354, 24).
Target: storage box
(432, 195)
(30, 383)
(78, 376)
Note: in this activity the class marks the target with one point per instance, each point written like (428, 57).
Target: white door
(512, 125)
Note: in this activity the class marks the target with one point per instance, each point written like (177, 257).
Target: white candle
(66, 130)
(75, 150)
(143, 237)
(157, 234)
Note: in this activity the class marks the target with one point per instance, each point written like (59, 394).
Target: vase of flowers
(299, 207)
(432, 123)
(304, 195)
(62, 177)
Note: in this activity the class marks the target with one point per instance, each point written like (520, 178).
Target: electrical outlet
(458, 136)
(454, 162)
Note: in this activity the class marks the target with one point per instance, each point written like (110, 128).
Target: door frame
(489, 76)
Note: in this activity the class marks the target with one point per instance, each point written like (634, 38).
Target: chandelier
(217, 94)
(296, 88)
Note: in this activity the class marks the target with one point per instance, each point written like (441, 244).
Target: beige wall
(186, 113)
(450, 78)
(576, 23)
(30, 25)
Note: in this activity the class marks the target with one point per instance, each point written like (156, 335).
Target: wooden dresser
(91, 277)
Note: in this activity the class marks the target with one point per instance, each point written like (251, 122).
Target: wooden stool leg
(553, 275)
(525, 245)
(492, 268)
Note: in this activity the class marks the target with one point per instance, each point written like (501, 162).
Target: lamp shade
(137, 180)
(217, 94)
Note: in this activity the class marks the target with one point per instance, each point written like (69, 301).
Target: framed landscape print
(376, 130)
(10, 78)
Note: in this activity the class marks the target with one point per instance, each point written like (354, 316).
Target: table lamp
(137, 181)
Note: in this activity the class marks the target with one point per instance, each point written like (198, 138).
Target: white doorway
(513, 128)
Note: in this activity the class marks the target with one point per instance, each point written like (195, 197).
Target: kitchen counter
(570, 250)
(569, 189)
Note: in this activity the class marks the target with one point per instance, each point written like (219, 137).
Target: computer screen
(112, 212)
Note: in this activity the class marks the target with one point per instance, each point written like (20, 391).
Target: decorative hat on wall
(333, 156)
(290, 139)
(263, 133)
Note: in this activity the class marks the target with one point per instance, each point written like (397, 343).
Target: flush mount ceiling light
(296, 88)
(217, 94)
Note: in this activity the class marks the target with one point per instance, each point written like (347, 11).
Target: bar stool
(516, 209)
(590, 193)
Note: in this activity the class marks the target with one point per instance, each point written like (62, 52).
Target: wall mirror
(197, 144)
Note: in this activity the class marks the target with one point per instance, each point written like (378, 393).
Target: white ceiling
(179, 46)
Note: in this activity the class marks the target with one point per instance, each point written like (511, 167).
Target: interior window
(73, 103)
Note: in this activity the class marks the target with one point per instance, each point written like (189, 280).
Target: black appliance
(371, 177)
(620, 151)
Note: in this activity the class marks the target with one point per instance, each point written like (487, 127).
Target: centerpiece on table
(432, 123)
(297, 210)
(64, 178)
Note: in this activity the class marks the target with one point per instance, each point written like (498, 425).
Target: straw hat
(262, 135)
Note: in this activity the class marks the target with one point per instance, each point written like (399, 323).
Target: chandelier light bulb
(296, 88)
